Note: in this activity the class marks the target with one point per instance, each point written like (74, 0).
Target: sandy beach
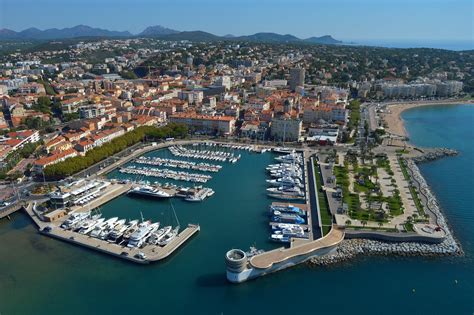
(393, 115)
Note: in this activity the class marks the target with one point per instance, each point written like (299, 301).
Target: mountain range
(156, 31)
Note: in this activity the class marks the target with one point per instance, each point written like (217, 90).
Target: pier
(150, 253)
(166, 173)
(298, 248)
(113, 191)
(242, 266)
(5, 212)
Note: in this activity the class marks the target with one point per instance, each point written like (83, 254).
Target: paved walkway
(268, 259)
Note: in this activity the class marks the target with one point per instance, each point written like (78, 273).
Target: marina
(139, 241)
(212, 155)
(233, 146)
(204, 167)
(287, 182)
(193, 194)
(83, 215)
(166, 174)
(144, 255)
(179, 277)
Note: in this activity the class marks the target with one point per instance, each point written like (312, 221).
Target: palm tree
(380, 224)
(348, 222)
(364, 222)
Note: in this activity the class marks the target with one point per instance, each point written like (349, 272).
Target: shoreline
(349, 249)
(394, 121)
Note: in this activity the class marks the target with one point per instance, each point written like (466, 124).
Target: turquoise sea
(39, 275)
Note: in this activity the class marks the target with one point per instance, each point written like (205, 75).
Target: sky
(343, 19)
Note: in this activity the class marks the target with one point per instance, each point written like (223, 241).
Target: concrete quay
(113, 191)
(268, 259)
(5, 212)
(151, 253)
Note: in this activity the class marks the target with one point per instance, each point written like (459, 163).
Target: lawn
(326, 216)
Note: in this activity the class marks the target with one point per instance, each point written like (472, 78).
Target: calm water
(457, 45)
(39, 275)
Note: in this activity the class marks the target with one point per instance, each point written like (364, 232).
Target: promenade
(298, 248)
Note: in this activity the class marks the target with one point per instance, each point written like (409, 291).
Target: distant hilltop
(156, 31)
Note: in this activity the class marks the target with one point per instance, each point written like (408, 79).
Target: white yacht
(74, 219)
(150, 191)
(118, 231)
(132, 227)
(158, 235)
(108, 229)
(168, 237)
(89, 225)
(283, 150)
(106, 225)
(140, 235)
(287, 181)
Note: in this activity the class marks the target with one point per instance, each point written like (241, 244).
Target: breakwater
(350, 248)
(435, 154)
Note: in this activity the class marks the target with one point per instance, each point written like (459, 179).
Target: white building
(286, 129)
(224, 81)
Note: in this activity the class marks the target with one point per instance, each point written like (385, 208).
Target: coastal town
(81, 120)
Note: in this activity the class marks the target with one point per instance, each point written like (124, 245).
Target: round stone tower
(236, 260)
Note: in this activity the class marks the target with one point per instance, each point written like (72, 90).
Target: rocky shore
(434, 155)
(350, 248)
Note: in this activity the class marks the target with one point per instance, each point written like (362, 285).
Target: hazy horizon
(348, 20)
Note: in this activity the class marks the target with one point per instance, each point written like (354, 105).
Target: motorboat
(118, 231)
(287, 190)
(287, 209)
(74, 219)
(89, 225)
(288, 218)
(158, 235)
(140, 235)
(280, 238)
(150, 191)
(168, 237)
(132, 227)
(287, 181)
(105, 225)
(110, 227)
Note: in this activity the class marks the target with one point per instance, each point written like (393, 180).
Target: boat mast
(174, 212)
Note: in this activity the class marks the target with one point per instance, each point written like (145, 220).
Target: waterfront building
(224, 125)
(286, 129)
(314, 114)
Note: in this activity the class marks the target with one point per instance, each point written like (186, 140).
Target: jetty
(297, 248)
(149, 253)
(166, 173)
(7, 211)
(243, 266)
(145, 255)
(157, 161)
